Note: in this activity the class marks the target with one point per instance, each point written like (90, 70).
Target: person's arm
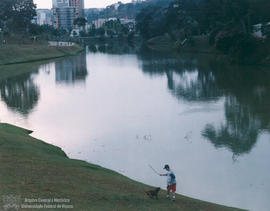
(163, 174)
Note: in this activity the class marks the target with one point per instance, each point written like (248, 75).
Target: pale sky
(87, 3)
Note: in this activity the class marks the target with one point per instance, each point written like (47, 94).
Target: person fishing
(171, 182)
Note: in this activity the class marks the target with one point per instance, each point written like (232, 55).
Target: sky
(87, 3)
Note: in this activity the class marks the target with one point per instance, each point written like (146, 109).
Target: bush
(225, 40)
(130, 36)
(241, 47)
(244, 49)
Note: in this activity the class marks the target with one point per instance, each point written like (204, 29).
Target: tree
(182, 18)
(266, 29)
(17, 14)
(6, 9)
(100, 31)
(81, 22)
(92, 31)
(151, 21)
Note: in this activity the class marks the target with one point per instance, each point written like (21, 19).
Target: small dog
(153, 193)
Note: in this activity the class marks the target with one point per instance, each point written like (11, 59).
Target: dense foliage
(16, 15)
(128, 10)
(111, 28)
(228, 23)
(81, 22)
(16, 23)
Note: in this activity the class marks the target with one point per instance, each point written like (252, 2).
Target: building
(75, 33)
(79, 4)
(99, 22)
(136, 1)
(60, 3)
(258, 30)
(44, 17)
(65, 12)
(63, 17)
(129, 23)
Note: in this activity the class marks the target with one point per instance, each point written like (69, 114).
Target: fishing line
(153, 169)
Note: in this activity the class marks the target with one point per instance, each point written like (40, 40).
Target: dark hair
(166, 166)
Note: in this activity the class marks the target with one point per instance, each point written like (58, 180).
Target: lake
(209, 121)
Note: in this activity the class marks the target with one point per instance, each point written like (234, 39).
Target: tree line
(229, 24)
(128, 10)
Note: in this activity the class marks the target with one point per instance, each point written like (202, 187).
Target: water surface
(208, 120)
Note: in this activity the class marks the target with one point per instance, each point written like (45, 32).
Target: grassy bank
(33, 169)
(200, 44)
(12, 54)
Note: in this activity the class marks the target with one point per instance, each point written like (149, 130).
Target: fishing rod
(153, 169)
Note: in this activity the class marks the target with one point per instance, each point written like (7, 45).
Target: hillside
(32, 173)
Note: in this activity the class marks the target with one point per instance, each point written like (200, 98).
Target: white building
(136, 1)
(127, 21)
(44, 17)
(257, 30)
(99, 22)
(75, 33)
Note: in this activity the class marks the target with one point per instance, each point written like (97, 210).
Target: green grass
(165, 43)
(161, 43)
(31, 168)
(12, 54)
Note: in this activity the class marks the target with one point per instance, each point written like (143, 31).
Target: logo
(11, 202)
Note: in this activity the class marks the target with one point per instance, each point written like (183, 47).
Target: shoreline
(41, 170)
(20, 54)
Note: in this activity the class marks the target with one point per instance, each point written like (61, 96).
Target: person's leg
(173, 191)
(173, 196)
(168, 192)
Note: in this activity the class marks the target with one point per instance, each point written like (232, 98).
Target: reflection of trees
(187, 80)
(240, 131)
(247, 111)
(20, 93)
(153, 63)
(246, 92)
(71, 69)
(251, 87)
(112, 47)
(198, 86)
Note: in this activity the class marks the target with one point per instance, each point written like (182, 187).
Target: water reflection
(112, 47)
(188, 105)
(71, 70)
(246, 92)
(187, 78)
(240, 131)
(18, 89)
(246, 109)
(20, 93)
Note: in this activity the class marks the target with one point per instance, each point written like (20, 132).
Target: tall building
(60, 3)
(79, 4)
(64, 14)
(64, 17)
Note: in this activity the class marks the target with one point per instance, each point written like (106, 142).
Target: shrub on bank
(242, 48)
